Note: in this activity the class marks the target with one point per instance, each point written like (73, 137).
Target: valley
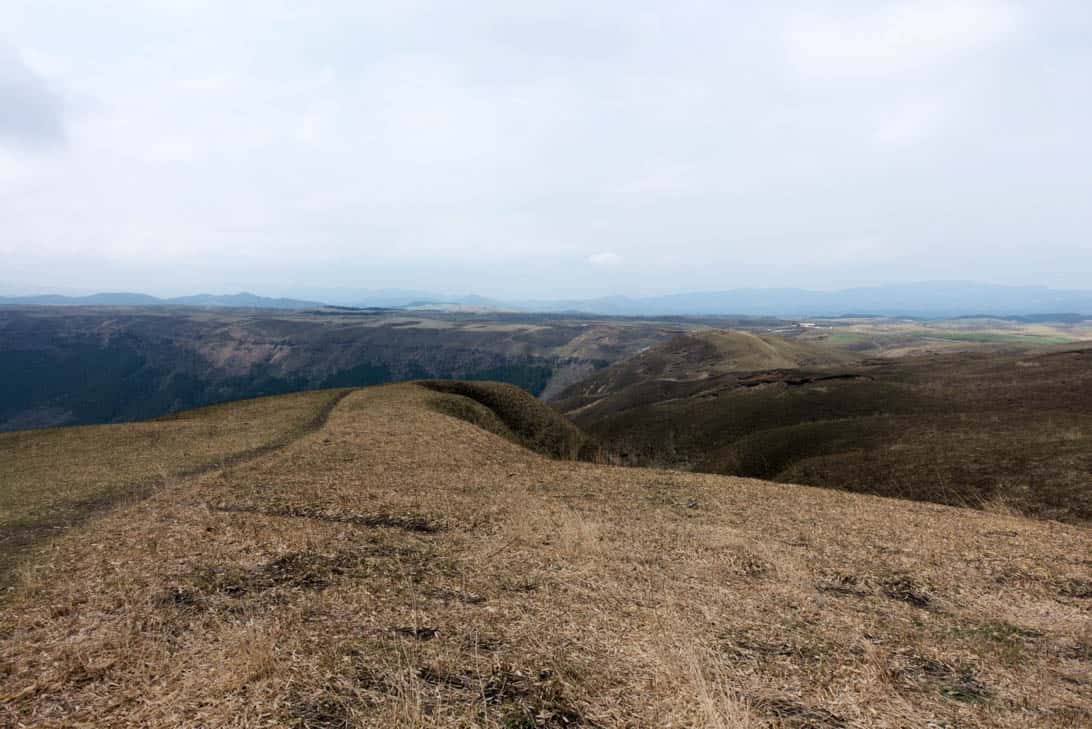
(83, 365)
(78, 365)
(492, 365)
(988, 413)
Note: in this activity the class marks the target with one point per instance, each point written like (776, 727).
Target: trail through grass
(51, 479)
(403, 569)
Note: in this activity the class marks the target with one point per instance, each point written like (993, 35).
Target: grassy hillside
(997, 428)
(50, 479)
(404, 568)
(511, 413)
(698, 356)
(1037, 463)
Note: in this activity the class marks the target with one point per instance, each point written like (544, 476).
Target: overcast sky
(542, 149)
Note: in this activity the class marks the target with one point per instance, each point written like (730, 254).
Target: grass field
(850, 339)
(999, 337)
(403, 568)
(50, 479)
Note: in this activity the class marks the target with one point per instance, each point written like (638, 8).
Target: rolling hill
(691, 362)
(998, 426)
(394, 566)
(77, 365)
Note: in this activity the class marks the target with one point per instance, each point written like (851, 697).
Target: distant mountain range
(927, 300)
(938, 299)
(242, 300)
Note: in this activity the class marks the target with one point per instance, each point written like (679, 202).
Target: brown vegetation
(511, 413)
(403, 568)
(1000, 428)
(52, 479)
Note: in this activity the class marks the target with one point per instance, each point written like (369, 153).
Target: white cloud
(32, 112)
(170, 149)
(205, 83)
(910, 122)
(606, 259)
(899, 38)
(670, 181)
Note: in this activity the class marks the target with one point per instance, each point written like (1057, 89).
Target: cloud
(205, 84)
(172, 149)
(897, 39)
(448, 140)
(675, 180)
(606, 259)
(31, 113)
(910, 122)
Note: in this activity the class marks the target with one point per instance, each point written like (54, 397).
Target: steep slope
(76, 365)
(404, 568)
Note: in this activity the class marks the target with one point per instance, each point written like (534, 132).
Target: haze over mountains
(932, 299)
(240, 300)
(928, 299)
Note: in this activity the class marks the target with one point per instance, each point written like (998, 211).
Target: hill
(997, 426)
(511, 413)
(399, 567)
(692, 361)
(77, 365)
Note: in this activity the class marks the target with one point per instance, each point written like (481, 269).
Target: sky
(542, 150)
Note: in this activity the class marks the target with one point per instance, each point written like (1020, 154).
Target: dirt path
(22, 537)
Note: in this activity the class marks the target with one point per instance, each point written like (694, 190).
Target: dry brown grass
(1001, 429)
(403, 568)
(50, 479)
